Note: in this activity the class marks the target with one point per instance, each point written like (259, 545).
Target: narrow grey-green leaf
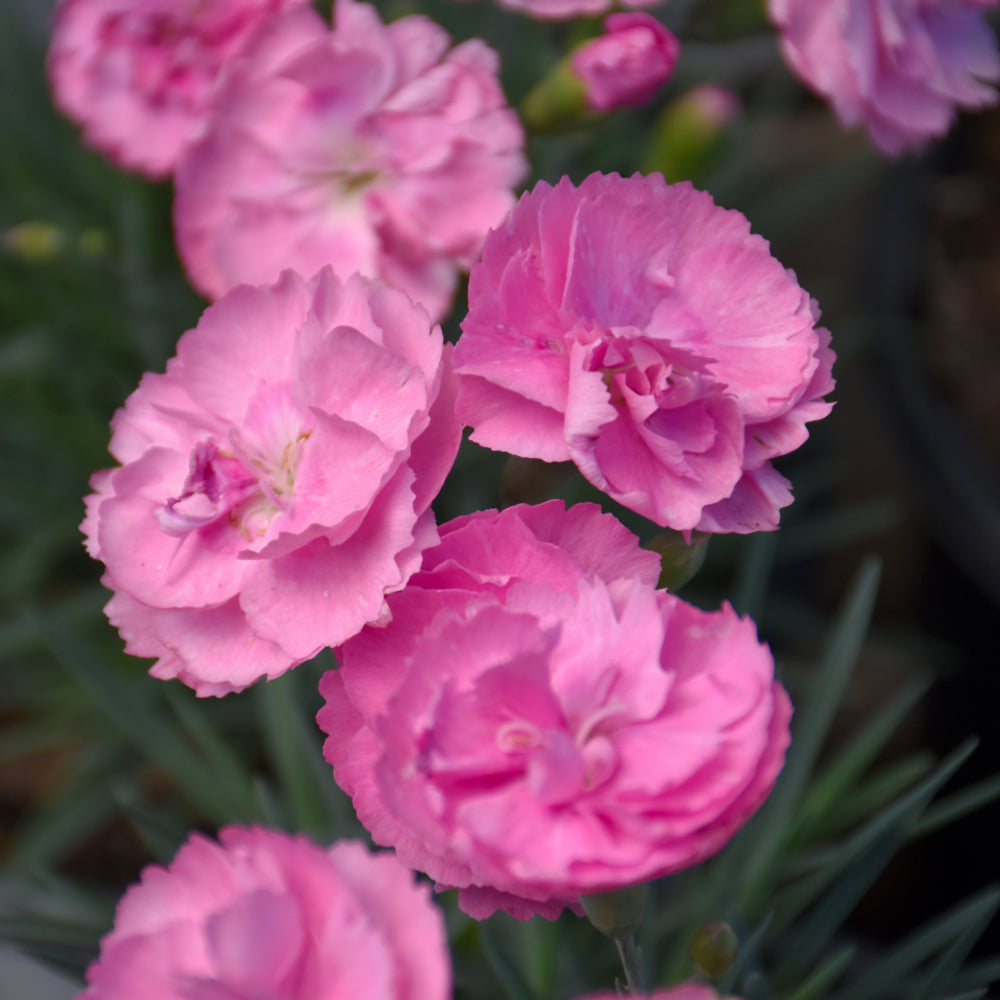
(809, 729)
(510, 976)
(820, 982)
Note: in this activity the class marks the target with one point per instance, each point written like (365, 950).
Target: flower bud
(618, 913)
(690, 132)
(627, 64)
(714, 949)
(680, 557)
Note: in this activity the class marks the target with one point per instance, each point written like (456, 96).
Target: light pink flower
(138, 75)
(558, 10)
(262, 914)
(276, 482)
(537, 722)
(371, 147)
(627, 64)
(901, 68)
(640, 330)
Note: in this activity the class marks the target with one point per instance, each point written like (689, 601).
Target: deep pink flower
(901, 68)
(138, 75)
(276, 482)
(370, 147)
(263, 914)
(558, 10)
(536, 722)
(640, 330)
(627, 64)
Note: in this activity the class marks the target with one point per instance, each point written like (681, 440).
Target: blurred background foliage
(871, 871)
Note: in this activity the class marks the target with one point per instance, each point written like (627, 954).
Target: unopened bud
(680, 558)
(628, 63)
(714, 949)
(557, 102)
(617, 913)
(689, 133)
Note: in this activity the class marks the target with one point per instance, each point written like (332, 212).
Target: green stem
(629, 954)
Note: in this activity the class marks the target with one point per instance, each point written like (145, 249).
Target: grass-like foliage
(103, 769)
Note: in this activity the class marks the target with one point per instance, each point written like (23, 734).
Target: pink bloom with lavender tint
(262, 914)
(138, 75)
(643, 332)
(627, 64)
(275, 483)
(537, 722)
(901, 68)
(371, 147)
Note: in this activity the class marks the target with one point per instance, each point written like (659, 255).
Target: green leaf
(943, 932)
(128, 707)
(818, 535)
(809, 728)
(225, 767)
(161, 833)
(820, 982)
(746, 956)
(881, 788)
(940, 976)
(863, 856)
(83, 806)
(986, 970)
(834, 784)
(316, 805)
(511, 978)
(754, 572)
(958, 805)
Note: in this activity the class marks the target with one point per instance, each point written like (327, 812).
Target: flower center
(559, 765)
(248, 489)
(217, 482)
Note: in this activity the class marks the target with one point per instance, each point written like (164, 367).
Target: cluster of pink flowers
(519, 712)
(372, 148)
(901, 68)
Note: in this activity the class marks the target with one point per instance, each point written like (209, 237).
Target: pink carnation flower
(627, 64)
(901, 68)
(262, 914)
(537, 722)
(371, 148)
(138, 75)
(276, 482)
(643, 332)
(558, 10)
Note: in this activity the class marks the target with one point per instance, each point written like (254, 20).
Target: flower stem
(629, 954)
